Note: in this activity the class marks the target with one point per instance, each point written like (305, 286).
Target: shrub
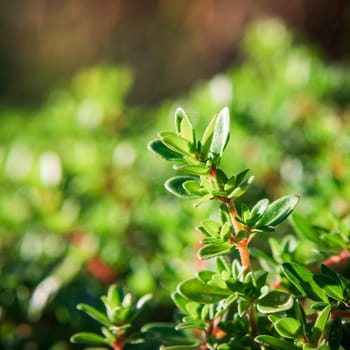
(278, 304)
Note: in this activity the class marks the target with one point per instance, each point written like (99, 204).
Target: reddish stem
(119, 343)
(242, 246)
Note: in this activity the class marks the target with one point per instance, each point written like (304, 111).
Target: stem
(119, 343)
(237, 226)
(244, 254)
(252, 319)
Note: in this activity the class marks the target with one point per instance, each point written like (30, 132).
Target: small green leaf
(302, 279)
(166, 334)
(241, 189)
(221, 178)
(259, 208)
(159, 148)
(88, 338)
(241, 235)
(207, 137)
(216, 249)
(212, 227)
(275, 301)
(197, 291)
(177, 143)
(184, 126)
(278, 211)
(204, 199)
(180, 301)
(193, 169)
(331, 273)
(330, 285)
(320, 324)
(289, 327)
(221, 133)
(181, 347)
(334, 240)
(275, 343)
(222, 265)
(303, 229)
(267, 262)
(205, 275)
(95, 314)
(193, 187)
(226, 231)
(175, 186)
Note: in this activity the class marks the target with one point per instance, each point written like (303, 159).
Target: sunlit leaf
(175, 186)
(212, 250)
(278, 211)
(303, 280)
(320, 324)
(159, 148)
(95, 314)
(221, 133)
(275, 301)
(275, 343)
(196, 290)
(289, 327)
(88, 338)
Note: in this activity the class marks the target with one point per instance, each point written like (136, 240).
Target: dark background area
(169, 44)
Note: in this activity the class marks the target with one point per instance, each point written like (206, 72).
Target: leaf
(330, 285)
(334, 240)
(259, 209)
(241, 189)
(212, 227)
(320, 324)
(193, 187)
(275, 343)
(302, 279)
(197, 291)
(143, 301)
(221, 177)
(184, 126)
(166, 334)
(222, 265)
(278, 211)
(95, 314)
(205, 275)
(303, 229)
(216, 249)
(221, 133)
(274, 302)
(267, 262)
(329, 272)
(193, 169)
(180, 302)
(240, 177)
(175, 186)
(159, 148)
(177, 143)
(204, 199)
(88, 338)
(115, 295)
(181, 347)
(207, 137)
(289, 327)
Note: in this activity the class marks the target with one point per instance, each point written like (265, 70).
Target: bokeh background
(85, 85)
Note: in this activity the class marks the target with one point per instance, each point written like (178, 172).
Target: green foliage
(121, 310)
(81, 206)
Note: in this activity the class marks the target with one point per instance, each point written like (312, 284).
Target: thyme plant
(278, 304)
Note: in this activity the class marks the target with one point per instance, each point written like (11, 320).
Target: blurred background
(85, 85)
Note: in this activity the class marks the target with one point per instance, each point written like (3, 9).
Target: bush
(81, 205)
